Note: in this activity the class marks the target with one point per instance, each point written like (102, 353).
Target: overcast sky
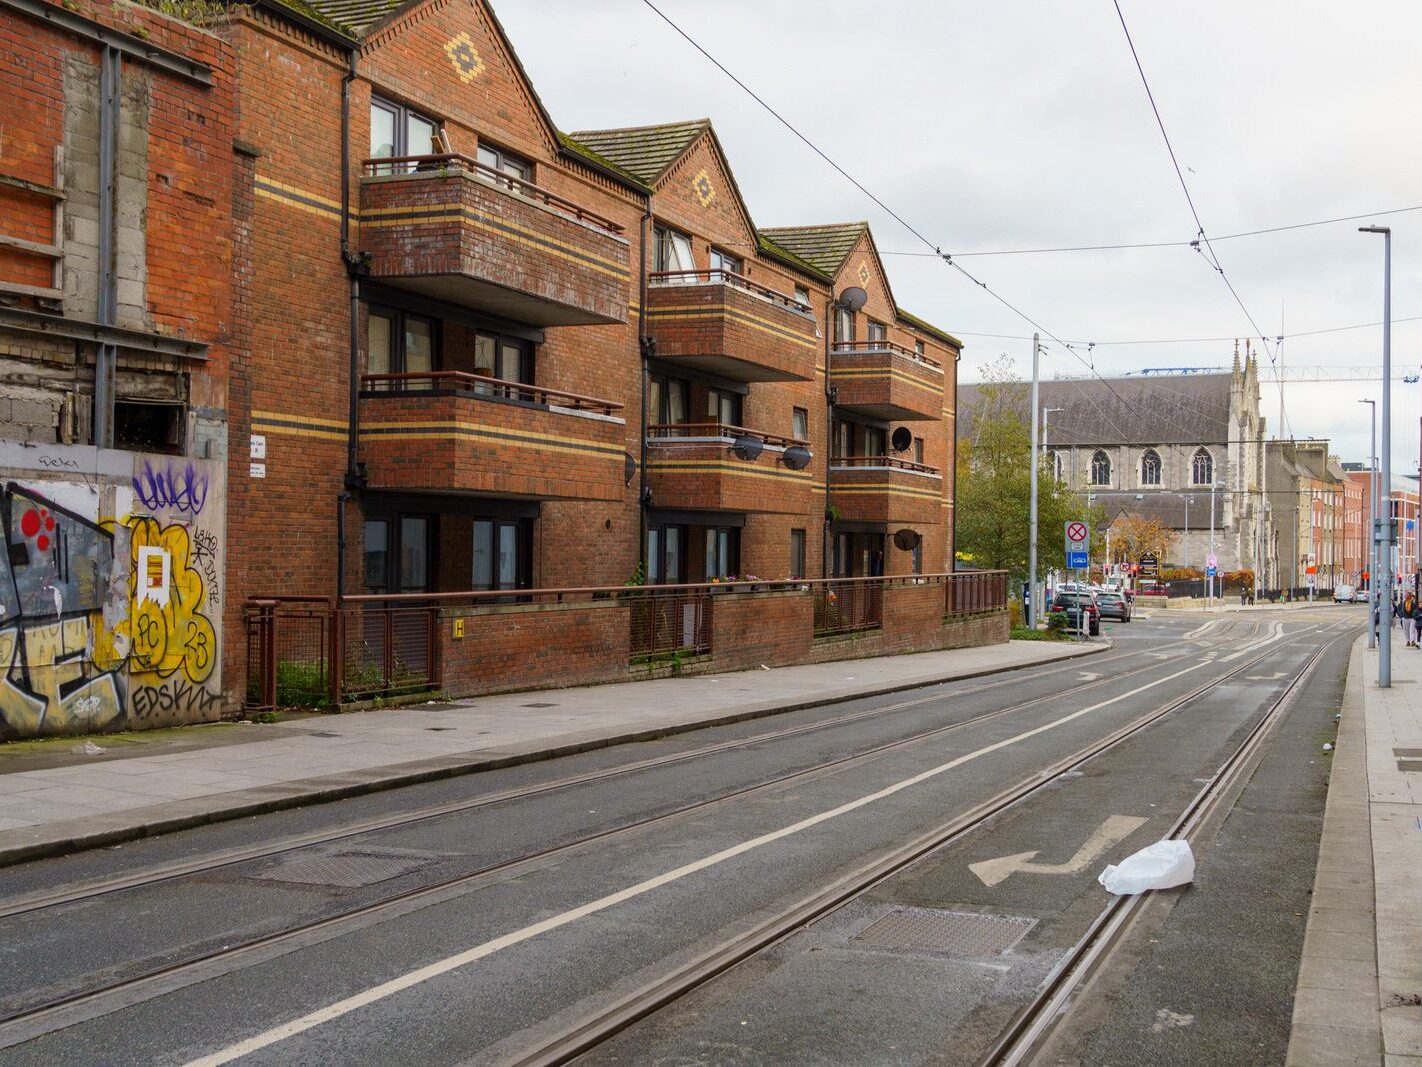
(1023, 124)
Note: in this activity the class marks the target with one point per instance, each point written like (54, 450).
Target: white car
(1343, 594)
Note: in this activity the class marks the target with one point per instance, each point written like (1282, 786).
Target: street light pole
(1032, 520)
(1209, 581)
(1373, 607)
(1385, 636)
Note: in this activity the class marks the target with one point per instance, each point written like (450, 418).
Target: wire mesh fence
(387, 650)
(668, 623)
(288, 653)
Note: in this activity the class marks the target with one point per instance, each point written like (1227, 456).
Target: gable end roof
(645, 152)
(825, 247)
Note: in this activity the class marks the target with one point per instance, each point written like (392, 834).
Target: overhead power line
(1192, 340)
(1158, 244)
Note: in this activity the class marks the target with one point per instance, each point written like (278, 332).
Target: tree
(994, 484)
(1132, 536)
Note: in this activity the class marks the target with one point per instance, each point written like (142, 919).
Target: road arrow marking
(1266, 677)
(1111, 832)
(1087, 676)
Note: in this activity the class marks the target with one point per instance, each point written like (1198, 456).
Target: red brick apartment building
(454, 350)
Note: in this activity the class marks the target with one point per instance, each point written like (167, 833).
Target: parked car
(1360, 596)
(1343, 594)
(1082, 611)
(1114, 605)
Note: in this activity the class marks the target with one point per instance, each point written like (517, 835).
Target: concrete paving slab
(84, 802)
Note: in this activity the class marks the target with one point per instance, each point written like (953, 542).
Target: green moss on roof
(355, 17)
(789, 258)
(825, 247)
(644, 151)
(301, 7)
(577, 148)
(929, 328)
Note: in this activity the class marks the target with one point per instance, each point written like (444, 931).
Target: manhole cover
(539, 705)
(962, 933)
(350, 869)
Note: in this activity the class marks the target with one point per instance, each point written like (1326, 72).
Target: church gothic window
(1100, 468)
(1202, 468)
(1150, 467)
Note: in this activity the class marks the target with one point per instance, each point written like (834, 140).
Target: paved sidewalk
(1361, 973)
(245, 770)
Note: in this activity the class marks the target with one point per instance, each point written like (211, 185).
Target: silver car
(1114, 606)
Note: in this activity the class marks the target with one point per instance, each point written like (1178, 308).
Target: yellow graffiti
(48, 687)
(168, 633)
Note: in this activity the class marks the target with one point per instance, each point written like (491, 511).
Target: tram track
(99, 999)
(92, 889)
(595, 1029)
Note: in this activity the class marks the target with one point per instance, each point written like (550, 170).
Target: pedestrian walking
(1405, 610)
(1415, 618)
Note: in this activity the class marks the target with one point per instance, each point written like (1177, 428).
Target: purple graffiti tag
(182, 489)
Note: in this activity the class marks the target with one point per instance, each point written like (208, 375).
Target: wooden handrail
(720, 429)
(392, 165)
(882, 461)
(498, 387)
(850, 348)
(728, 277)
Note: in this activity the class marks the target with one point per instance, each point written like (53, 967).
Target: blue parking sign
(1210, 572)
(1077, 561)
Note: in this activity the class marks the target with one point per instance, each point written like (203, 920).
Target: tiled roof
(575, 147)
(644, 151)
(825, 247)
(929, 328)
(1145, 410)
(358, 15)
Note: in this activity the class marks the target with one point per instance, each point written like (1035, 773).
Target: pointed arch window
(1054, 460)
(1202, 468)
(1100, 468)
(1150, 467)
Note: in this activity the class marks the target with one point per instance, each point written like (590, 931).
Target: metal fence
(665, 623)
(848, 605)
(387, 650)
(974, 592)
(289, 643)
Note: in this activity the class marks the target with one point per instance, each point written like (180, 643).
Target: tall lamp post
(1385, 533)
(1032, 518)
(1373, 603)
(1210, 582)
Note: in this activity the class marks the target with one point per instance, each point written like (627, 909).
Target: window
(501, 553)
(802, 295)
(667, 399)
(722, 547)
(1100, 468)
(671, 251)
(507, 359)
(918, 348)
(149, 426)
(397, 554)
(723, 263)
(878, 331)
(843, 325)
(797, 553)
(874, 438)
(397, 131)
(800, 424)
(1202, 468)
(723, 406)
(843, 438)
(1055, 460)
(504, 162)
(1150, 467)
(666, 561)
(918, 557)
(918, 450)
(398, 342)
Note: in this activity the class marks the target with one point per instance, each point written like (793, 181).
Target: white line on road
(1114, 830)
(1278, 633)
(462, 959)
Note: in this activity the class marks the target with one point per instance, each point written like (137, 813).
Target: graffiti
(175, 698)
(170, 634)
(59, 463)
(205, 557)
(182, 489)
(50, 681)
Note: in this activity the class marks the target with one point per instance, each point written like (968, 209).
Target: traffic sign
(1210, 572)
(1211, 563)
(1149, 565)
(1077, 533)
(1077, 561)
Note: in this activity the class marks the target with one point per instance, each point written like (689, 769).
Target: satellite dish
(853, 298)
(796, 457)
(747, 446)
(629, 468)
(906, 539)
(901, 439)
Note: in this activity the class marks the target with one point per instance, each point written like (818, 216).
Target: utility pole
(1032, 519)
(1373, 607)
(1210, 582)
(1385, 636)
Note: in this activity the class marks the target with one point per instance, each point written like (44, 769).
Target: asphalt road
(559, 902)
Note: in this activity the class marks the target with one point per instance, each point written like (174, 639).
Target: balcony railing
(882, 461)
(465, 383)
(726, 277)
(852, 347)
(386, 166)
(719, 430)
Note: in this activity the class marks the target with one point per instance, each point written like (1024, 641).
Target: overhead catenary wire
(1193, 340)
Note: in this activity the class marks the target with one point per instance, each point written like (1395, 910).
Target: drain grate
(348, 869)
(959, 932)
(538, 705)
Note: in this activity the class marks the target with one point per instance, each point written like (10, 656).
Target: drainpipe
(646, 346)
(355, 270)
(951, 563)
(106, 356)
(826, 536)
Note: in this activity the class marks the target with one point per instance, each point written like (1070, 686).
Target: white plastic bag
(1158, 866)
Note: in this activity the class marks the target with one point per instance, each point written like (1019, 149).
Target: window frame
(659, 390)
(664, 240)
(876, 331)
(845, 325)
(1100, 459)
(800, 424)
(502, 157)
(730, 563)
(720, 399)
(402, 113)
(798, 545)
(1151, 461)
(720, 268)
(1202, 453)
(398, 354)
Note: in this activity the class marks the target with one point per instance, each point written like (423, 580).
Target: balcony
(693, 466)
(448, 431)
(886, 381)
(451, 228)
(725, 324)
(881, 489)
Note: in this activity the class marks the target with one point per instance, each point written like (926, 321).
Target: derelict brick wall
(534, 647)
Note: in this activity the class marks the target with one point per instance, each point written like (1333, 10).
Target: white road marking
(1087, 676)
(1114, 830)
(1278, 633)
(462, 959)
(1200, 631)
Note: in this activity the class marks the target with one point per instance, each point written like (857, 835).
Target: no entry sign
(1077, 534)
